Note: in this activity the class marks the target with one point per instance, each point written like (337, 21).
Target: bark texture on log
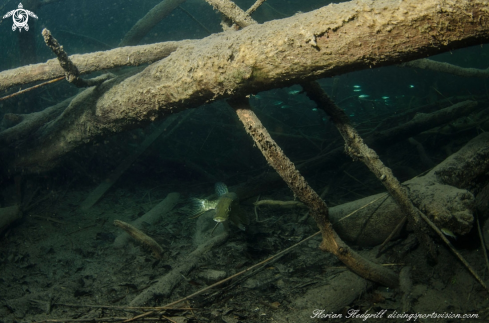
(232, 11)
(331, 40)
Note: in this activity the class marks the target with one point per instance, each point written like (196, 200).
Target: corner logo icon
(20, 17)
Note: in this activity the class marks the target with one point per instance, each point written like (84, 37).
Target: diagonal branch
(358, 150)
(318, 209)
(71, 71)
(232, 11)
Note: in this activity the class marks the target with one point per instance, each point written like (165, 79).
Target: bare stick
(389, 238)
(32, 88)
(146, 23)
(281, 253)
(141, 237)
(347, 216)
(283, 204)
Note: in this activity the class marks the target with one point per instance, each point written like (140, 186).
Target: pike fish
(226, 207)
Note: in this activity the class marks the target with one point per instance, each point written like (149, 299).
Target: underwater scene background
(190, 187)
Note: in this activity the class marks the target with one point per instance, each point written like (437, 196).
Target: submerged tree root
(318, 209)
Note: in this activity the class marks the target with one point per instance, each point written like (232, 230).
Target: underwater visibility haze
(246, 161)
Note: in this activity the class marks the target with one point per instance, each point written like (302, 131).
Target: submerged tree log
(145, 24)
(20, 126)
(442, 194)
(152, 216)
(180, 268)
(319, 211)
(443, 67)
(331, 40)
(141, 237)
(71, 71)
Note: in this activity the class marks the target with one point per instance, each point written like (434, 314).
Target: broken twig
(71, 71)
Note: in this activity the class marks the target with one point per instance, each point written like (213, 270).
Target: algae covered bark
(329, 41)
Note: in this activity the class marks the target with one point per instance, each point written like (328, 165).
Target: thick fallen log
(441, 194)
(421, 122)
(19, 126)
(331, 40)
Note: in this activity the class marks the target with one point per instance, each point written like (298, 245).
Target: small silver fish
(294, 92)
